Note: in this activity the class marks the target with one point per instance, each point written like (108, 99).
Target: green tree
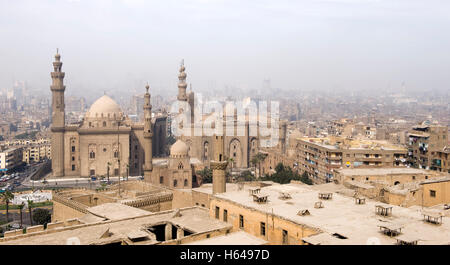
(305, 179)
(20, 211)
(107, 170)
(30, 207)
(7, 197)
(246, 176)
(285, 174)
(42, 216)
(231, 162)
(256, 161)
(206, 175)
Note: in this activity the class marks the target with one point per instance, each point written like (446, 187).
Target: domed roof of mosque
(106, 106)
(179, 148)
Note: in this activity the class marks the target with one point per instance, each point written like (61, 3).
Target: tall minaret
(58, 117)
(182, 85)
(282, 137)
(218, 165)
(148, 134)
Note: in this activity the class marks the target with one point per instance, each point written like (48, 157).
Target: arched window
(175, 182)
(185, 182)
(397, 182)
(92, 155)
(205, 150)
(180, 166)
(104, 124)
(116, 154)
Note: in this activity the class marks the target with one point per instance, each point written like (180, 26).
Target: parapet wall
(37, 229)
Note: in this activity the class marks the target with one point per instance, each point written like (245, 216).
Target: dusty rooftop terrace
(340, 215)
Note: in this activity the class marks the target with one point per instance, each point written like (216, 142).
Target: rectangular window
(432, 193)
(241, 221)
(263, 228)
(92, 172)
(116, 172)
(285, 237)
(73, 167)
(225, 215)
(73, 148)
(217, 212)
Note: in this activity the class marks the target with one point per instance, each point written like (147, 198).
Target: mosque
(107, 143)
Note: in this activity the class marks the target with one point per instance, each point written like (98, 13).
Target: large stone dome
(179, 149)
(104, 107)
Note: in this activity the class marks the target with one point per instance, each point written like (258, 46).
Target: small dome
(179, 148)
(104, 105)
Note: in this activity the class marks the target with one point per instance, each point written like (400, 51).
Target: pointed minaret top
(182, 68)
(147, 87)
(182, 83)
(57, 56)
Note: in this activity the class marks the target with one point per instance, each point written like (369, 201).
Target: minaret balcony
(57, 74)
(58, 88)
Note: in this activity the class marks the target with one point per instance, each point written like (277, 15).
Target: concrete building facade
(425, 142)
(320, 157)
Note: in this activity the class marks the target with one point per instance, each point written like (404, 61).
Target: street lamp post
(118, 152)
(107, 171)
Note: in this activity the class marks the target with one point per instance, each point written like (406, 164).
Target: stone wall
(64, 209)
(182, 198)
(274, 225)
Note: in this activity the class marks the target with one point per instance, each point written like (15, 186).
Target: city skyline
(306, 45)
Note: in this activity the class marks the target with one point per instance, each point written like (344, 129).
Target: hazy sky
(310, 44)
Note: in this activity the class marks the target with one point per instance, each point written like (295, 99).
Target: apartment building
(36, 153)
(10, 159)
(441, 161)
(320, 157)
(424, 144)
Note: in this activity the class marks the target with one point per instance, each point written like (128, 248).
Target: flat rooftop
(381, 171)
(353, 144)
(116, 211)
(207, 188)
(133, 190)
(340, 215)
(194, 219)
